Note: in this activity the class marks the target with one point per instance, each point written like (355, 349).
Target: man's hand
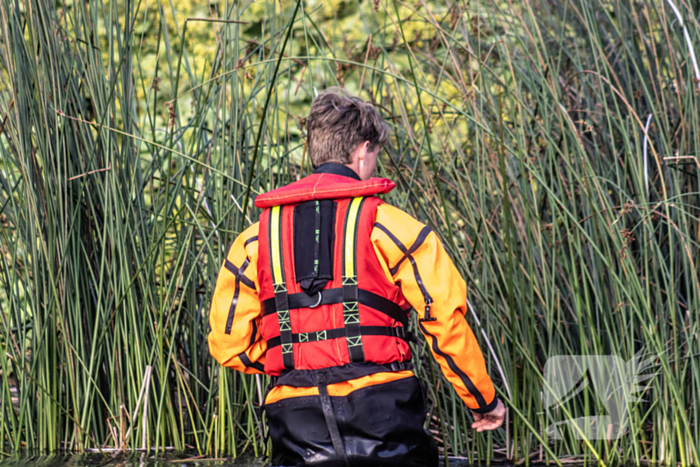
(490, 420)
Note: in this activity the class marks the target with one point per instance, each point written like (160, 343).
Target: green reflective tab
(349, 281)
(352, 319)
(355, 341)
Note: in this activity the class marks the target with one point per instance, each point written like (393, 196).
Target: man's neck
(337, 169)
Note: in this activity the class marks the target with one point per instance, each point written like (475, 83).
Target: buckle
(320, 298)
(400, 332)
(398, 366)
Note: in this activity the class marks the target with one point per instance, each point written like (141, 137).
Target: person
(317, 295)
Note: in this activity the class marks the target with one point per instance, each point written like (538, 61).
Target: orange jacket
(407, 258)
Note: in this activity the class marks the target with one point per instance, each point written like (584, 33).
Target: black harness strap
(351, 306)
(329, 415)
(331, 296)
(280, 287)
(337, 333)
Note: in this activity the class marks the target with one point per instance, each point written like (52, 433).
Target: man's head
(346, 130)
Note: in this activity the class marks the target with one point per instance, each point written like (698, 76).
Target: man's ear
(364, 147)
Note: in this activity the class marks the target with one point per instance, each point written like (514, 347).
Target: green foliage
(553, 145)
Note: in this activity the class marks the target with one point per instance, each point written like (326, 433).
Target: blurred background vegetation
(552, 144)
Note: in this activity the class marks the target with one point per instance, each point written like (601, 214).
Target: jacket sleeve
(414, 257)
(234, 340)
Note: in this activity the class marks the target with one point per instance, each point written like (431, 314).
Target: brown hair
(339, 122)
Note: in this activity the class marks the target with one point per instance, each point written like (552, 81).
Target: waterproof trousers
(379, 425)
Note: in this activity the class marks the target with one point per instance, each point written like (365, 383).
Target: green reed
(553, 146)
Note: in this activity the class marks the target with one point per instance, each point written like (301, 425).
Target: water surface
(149, 460)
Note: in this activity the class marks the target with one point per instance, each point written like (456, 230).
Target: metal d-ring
(320, 298)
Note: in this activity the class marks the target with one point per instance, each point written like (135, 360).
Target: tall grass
(553, 145)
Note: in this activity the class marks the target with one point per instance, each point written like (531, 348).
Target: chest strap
(332, 296)
(300, 338)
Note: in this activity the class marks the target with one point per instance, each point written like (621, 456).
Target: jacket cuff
(487, 408)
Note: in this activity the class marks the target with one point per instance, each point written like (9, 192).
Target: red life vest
(359, 315)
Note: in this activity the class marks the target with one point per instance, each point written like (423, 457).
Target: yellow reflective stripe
(275, 248)
(350, 237)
